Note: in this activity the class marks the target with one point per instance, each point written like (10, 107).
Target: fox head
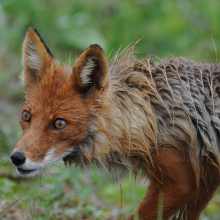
(57, 109)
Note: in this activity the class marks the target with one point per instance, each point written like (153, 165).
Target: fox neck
(125, 125)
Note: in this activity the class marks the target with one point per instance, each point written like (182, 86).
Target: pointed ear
(90, 71)
(36, 57)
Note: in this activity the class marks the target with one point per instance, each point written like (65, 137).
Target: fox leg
(174, 179)
(194, 208)
(207, 189)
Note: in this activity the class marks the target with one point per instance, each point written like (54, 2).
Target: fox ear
(90, 71)
(36, 57)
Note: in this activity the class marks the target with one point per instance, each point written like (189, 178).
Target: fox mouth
(28, 173)
(32, 168)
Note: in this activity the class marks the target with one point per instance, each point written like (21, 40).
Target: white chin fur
(30, 168)
(27, 173)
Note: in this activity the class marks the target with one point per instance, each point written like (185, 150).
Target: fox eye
(60, 124)
(26, 116)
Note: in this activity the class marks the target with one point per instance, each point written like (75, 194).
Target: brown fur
(161, 118)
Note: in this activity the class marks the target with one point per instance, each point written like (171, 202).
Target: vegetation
(172, 27)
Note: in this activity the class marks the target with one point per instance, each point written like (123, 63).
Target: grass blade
(8, 208)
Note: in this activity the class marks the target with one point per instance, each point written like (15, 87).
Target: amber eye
(26, 116)
(60, 123)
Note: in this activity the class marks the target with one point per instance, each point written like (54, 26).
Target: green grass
(70, 194)
(73, 194)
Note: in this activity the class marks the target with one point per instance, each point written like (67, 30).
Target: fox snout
(18, 158)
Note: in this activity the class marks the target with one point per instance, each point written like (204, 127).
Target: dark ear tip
(35, 30)
(96, 45)
(32, 29)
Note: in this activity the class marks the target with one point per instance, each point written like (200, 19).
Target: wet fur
(158, 117)
(162, 118)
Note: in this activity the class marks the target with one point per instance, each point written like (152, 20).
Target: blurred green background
(179, 28)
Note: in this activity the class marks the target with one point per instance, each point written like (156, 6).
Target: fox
(159, 120)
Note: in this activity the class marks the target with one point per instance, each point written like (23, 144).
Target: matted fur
(152, 104)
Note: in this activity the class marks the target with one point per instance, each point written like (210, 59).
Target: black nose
(17, 158)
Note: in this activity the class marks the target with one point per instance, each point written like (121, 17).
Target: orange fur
(131, 115)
